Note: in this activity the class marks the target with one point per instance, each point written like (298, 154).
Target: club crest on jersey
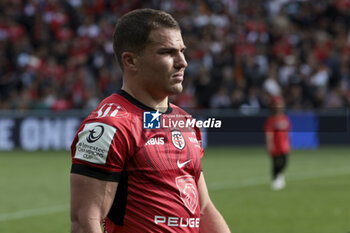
(177, 139)
(188, 191)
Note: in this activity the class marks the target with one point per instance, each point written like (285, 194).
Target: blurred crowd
(58, 54)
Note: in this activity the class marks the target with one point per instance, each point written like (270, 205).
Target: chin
(177, 89)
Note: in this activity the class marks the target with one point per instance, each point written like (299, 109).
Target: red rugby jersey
(157, 169)
(280, 126)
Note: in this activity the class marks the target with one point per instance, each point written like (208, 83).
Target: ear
(129, 61)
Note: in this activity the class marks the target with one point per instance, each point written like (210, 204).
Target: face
(278, 108)
(161, 65)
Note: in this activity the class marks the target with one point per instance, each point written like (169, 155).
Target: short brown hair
(133, 29)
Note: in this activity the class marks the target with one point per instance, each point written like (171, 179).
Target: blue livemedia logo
(151, 120)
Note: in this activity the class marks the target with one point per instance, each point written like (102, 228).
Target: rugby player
(130, 176)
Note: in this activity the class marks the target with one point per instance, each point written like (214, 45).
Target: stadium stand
(58, 55)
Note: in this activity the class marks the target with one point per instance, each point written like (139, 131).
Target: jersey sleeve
(199, 139)
(99, 150)
(268, 126)
(290, 126)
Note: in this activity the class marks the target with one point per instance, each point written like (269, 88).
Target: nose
(180, 61)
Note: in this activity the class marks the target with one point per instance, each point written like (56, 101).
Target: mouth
(178, 76)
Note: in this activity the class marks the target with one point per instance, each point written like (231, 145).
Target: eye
(171, 52)
(166, 52)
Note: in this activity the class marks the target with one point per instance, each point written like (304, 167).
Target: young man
(127, 177)
(277, 127)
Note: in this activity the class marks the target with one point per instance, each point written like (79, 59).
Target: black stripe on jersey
(139, 104)
(95, 172)
(117, 211)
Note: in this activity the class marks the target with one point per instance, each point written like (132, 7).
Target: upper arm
(211, 220)
(98, 155)
(204, 198)
(268, 128)
(91, 199)
(269, 136)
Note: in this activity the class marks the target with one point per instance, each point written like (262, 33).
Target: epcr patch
(94, 142)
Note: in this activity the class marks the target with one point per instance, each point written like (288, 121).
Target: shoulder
(179, 114)
(269, 119)
(113, 110)
(109, 124)
(269, 123)
(286, 116)
(114, 117)
(176, 110)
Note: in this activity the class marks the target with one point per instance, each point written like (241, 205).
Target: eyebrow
(171, 49)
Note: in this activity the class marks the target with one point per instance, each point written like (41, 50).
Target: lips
(178, 76)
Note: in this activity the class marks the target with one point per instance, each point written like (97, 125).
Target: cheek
(161, 68)
(156, 70)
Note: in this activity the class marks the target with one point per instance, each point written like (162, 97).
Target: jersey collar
(138, 103)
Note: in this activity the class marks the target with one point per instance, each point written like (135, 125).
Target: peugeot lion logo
(95, 134)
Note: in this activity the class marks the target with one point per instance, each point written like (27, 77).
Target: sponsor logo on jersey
(282, 125)
(94, 142)
(155, 141)
(151, 120)
(95, 134)
(180, 165)
(188, 191)
(177, 139)
(177, 222)
(195, 142)
(111, 110)
(193, 133)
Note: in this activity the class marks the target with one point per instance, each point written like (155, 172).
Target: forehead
(165, 37)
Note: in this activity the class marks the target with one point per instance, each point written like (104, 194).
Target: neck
(278, 113)
(157, 103)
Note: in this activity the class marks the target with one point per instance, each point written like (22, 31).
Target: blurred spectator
(58, 54)
(271, 84)
(220, 99)
(252, 103)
